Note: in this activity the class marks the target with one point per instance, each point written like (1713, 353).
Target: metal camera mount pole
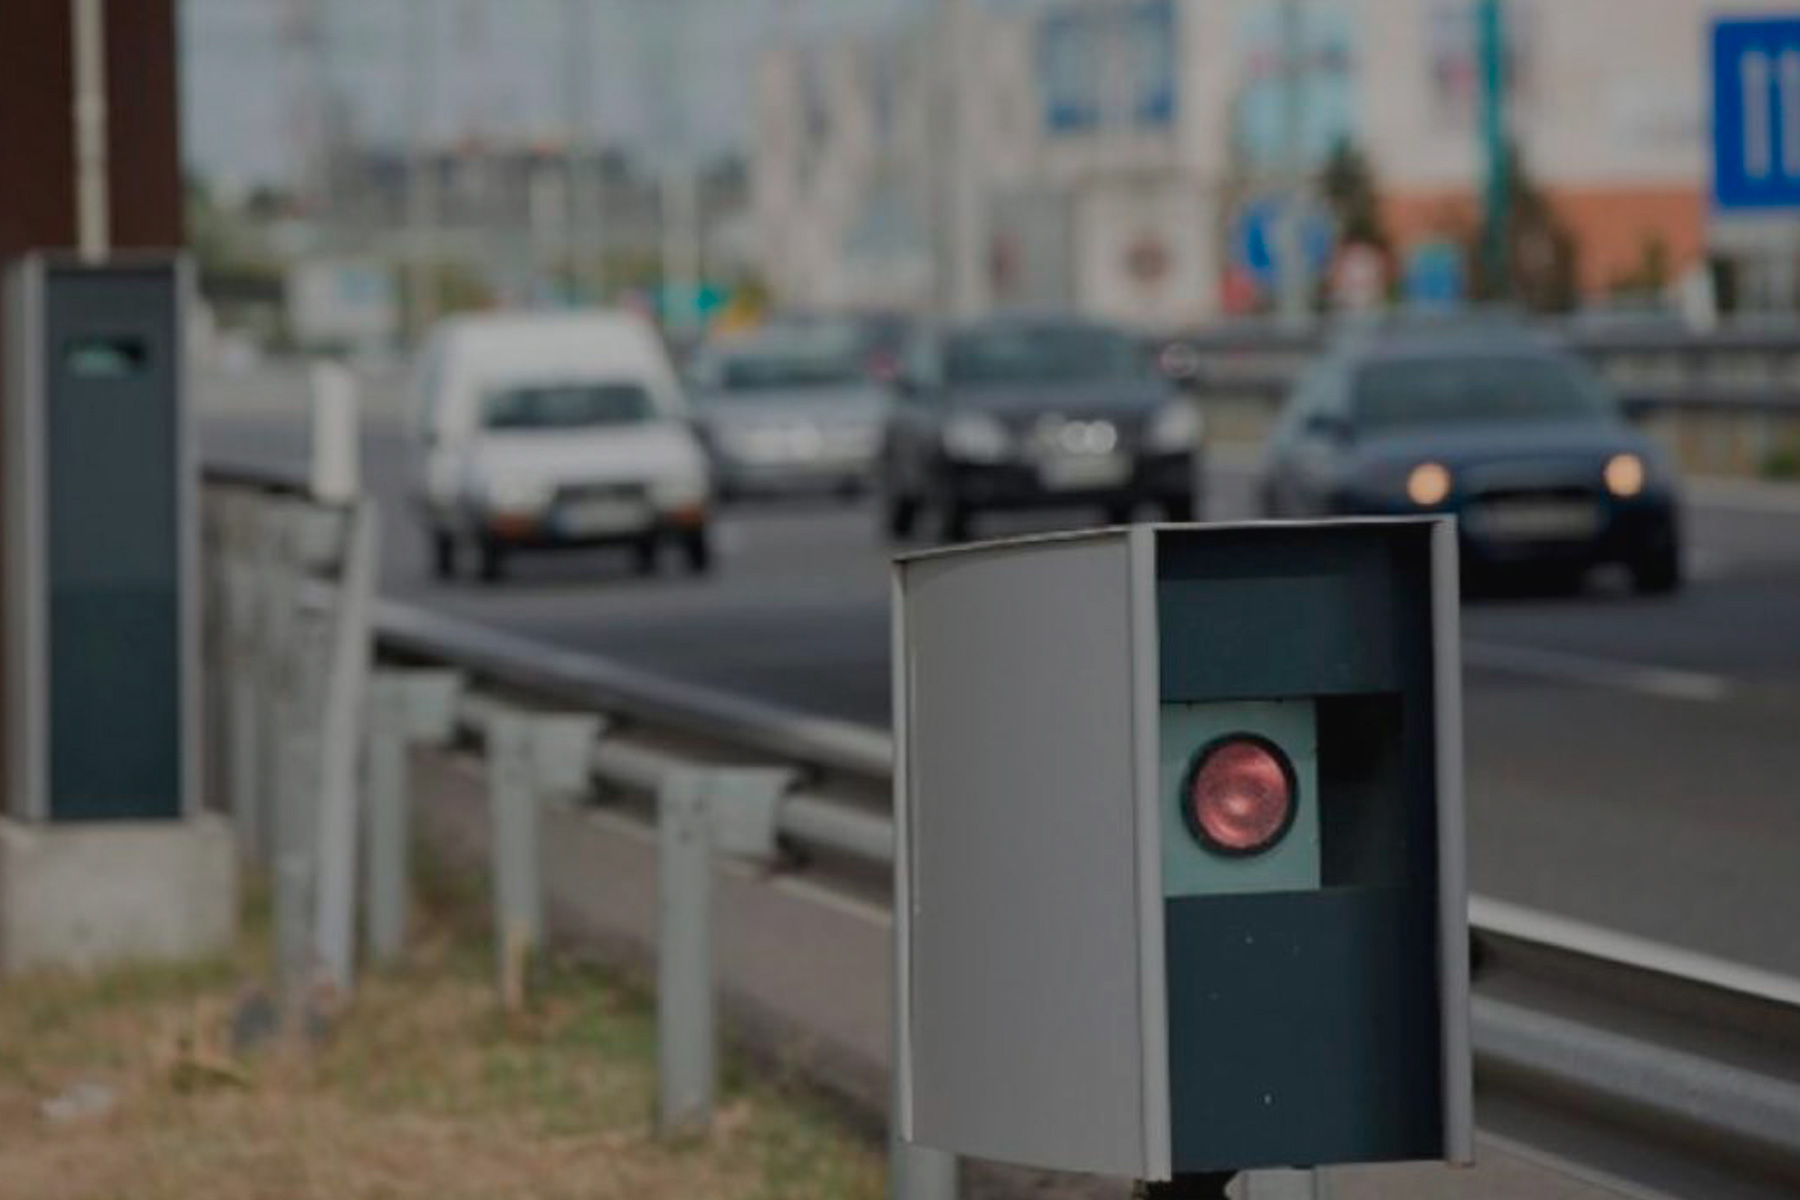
(1187, 1187)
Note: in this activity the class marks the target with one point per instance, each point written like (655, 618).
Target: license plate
(588, 518)
(1550, 520)
(1083, 473)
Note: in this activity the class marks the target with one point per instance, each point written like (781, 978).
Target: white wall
(1124, 226)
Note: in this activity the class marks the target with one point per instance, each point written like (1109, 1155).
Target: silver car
(789, 411)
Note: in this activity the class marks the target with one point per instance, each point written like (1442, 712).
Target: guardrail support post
(518, 891)
(406, 708)
(732, 810)
(685, 1033)
(532, 759)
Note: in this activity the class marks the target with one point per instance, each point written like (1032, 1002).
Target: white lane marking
(1664, 683)
(1746, 495)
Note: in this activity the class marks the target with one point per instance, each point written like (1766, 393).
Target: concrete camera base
(84, 896)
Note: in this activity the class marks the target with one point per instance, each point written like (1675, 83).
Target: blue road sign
(1257, 245)
(1435, 278)
(1756, 114)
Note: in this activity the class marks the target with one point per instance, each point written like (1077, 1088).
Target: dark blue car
(1513, 435)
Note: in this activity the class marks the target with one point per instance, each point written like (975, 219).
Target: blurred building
(841, 171)
(1124, 153)
(483, 223)
(502, 212)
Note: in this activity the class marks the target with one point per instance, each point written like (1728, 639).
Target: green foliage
(1540, 268)
(1783, 462)
(1354, 197)
(1654, 270)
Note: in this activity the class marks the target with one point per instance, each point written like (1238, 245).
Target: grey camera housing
(1082, 985)
(102, 616)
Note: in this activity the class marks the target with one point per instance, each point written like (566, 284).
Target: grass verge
(125, 1085)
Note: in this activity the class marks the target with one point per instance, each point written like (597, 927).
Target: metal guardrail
(1678, 1067)
(1753, 368)
(1272, 387)
(1549, 1046)
(1644, 336)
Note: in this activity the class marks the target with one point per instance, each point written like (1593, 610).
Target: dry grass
(422, 1090)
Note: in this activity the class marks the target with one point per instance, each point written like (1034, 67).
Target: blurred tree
(1353, 195)
(238, 273)
(1543, 258)
(224, 238)
(1651, 275)
(458, 286)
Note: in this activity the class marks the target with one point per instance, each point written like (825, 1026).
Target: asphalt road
(1632, 762)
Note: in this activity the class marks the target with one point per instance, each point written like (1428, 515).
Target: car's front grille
(1572, 493)
(577, 493)
(1560, 513)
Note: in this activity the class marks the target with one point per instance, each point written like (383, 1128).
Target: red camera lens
(1240, 797)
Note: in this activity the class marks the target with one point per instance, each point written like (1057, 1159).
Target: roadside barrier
(1666, 1066)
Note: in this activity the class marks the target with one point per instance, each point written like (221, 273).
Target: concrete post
(336, 435)
(241, 558)
(685, 1022)
(518, 891)
(215, 771)
(296, 816)
(278, 574)
(343, 702)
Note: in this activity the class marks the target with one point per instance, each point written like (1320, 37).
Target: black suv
(1035, 412)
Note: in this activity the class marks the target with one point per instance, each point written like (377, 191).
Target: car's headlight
(1177, 426)
(1626, 476)
(976, 437)
(678, 491)
(853, 437)
(517, 493)
(1429, 484)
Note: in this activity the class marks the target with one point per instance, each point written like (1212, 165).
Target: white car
(538, 431)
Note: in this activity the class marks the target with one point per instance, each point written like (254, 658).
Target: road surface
(1632, 762)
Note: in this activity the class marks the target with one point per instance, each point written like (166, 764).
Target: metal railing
(1725, 401)
(1647, 1063)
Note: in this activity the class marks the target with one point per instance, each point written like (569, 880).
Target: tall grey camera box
(1179, 869)
(102, 617)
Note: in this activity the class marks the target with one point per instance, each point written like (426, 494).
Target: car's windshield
(1042, 354)
(565, 405)
(1475, 389)
(778, 370)
(792, 360)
